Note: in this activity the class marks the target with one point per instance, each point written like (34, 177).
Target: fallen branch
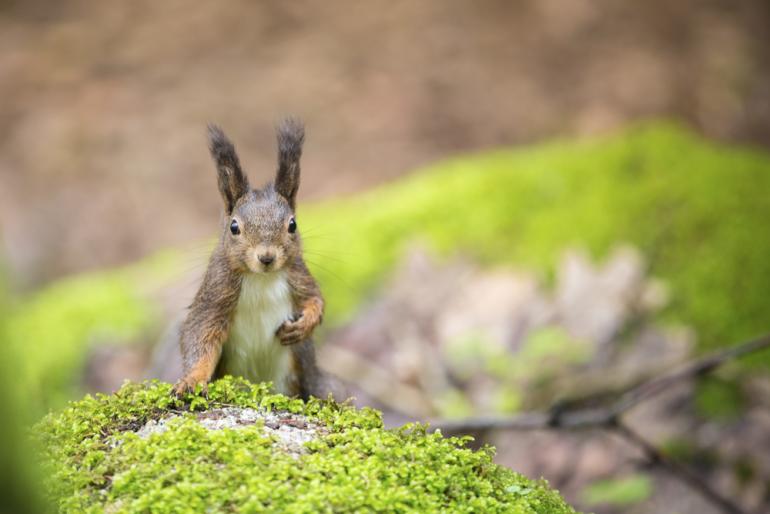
(566, 417)
(681, 472)
(608, 417)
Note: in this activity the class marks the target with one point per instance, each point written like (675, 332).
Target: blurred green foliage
(717, 398)
(96, 463)
(51, 331)
(697, 210)
(540, 360)
(18, 494)
(684, 448)
(619, 491)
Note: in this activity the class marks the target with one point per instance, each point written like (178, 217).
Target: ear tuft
(291, 135)
(231, 180)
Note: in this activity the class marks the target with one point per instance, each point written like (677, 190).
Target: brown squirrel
(258, 304)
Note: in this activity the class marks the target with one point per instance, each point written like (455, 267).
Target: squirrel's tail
(312, 381)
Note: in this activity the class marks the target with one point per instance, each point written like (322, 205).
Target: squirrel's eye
(292, 225)
(234, 228)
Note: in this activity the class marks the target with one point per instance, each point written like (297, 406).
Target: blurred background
(507, 205)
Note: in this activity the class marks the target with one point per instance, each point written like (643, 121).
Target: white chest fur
(252, 350)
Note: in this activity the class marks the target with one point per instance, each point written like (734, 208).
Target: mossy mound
(95, 461)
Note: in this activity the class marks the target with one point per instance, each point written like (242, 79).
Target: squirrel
(258, 305)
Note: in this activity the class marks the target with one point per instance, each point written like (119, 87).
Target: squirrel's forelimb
(206, 327)
(297, 330)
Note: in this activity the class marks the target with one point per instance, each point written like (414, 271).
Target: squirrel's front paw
(294, 331)
(187, 386)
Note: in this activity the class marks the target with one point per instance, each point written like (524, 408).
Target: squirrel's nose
(266, 259)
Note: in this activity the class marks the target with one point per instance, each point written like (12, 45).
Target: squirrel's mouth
(265, 260)
(262, 268)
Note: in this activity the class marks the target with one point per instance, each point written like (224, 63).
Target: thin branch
(693, 369)
(567, 417)
(607, 417)
(679, 471)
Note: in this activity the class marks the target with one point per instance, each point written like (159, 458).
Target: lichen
(95, 461)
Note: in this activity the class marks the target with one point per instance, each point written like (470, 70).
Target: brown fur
(291, 136)
(263, 217)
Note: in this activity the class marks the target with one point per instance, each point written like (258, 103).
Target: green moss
(51, 330)
(95, 462)
(697, 210)
(16, 474)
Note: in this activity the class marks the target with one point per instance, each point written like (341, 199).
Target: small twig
(679, 471)
(693, 369)
(602, 416)
(607, 417)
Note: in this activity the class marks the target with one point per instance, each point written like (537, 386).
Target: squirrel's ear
(291, 135)
(230, 177)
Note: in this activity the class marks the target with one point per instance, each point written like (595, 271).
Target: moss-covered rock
(98, 458)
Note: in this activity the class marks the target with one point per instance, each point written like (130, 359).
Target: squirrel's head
(260, 232)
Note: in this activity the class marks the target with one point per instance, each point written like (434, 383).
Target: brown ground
(102, 156)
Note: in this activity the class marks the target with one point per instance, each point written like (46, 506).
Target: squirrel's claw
(292, 332)
(186, 386)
